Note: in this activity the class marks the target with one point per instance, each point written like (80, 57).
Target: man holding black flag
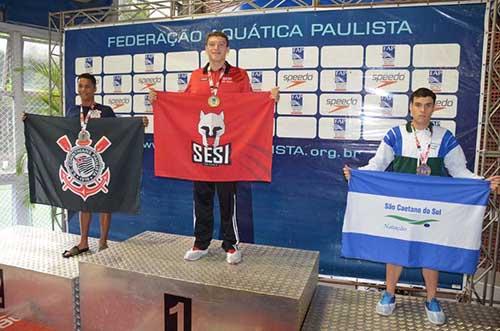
(87, 173)
(89, 109)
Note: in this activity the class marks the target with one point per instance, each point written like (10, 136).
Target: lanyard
(215, 87)
(423, 155)
(84, 119)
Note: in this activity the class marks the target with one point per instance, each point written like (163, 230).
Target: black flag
(98, 172)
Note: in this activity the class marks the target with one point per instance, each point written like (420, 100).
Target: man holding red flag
(216, 77)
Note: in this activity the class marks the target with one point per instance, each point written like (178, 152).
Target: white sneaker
(386, 305)
(435, 313)
(195, 254)
(233, 256)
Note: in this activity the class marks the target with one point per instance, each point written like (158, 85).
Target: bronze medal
(424, 170)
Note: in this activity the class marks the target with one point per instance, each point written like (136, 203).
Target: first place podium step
(145, 284)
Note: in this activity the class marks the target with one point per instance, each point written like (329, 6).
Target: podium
(36, 283)
(334, 308)
(145, 284)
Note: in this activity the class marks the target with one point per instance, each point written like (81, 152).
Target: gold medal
(213, 101)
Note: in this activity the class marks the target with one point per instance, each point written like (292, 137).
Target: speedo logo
(149, 82)
(383, 80)
(297, 79)
(443, 104)
(118, 102)
(339, 104)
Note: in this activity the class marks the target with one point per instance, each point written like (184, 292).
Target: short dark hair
(217, 34)
(89, 77)
(423, 92)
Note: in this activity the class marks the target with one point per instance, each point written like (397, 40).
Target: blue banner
(415, 221)
(345, 78)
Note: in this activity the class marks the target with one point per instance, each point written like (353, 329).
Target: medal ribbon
(214, 87)
(84, 120)
(423, 155)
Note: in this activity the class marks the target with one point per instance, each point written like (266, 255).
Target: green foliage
(50, 106)
(136, 11)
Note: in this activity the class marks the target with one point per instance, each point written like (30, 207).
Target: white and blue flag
(415, 221)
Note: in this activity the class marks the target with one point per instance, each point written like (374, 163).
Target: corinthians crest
(84, 171)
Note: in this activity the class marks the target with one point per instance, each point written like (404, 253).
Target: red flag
(230, 142)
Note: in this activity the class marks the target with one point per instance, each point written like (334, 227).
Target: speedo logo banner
(345, 78)
(119, 103)
(298, 80)
(340, 104)
(387, 80)
(144, 83)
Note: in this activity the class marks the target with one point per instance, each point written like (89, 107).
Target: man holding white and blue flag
(419, 148)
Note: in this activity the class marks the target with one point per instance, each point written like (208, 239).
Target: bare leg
(85, 218)
(105, 224)
(431, 278)
(392, 273)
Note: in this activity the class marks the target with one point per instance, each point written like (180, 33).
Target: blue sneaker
(435, 313)
(386, 305)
